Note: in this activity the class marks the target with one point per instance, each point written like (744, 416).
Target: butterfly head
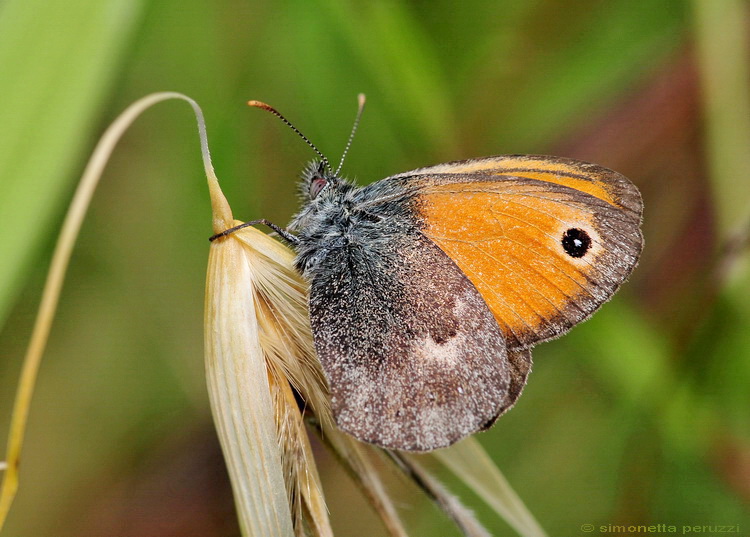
(317, 180)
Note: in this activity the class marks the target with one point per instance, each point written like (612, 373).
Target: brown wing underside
(412, 354)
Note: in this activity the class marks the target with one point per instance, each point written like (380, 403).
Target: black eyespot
(576, 242)
(316, 185)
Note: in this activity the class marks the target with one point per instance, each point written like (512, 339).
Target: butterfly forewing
(504, 222)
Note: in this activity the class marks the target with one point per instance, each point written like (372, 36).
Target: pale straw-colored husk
(258, 342)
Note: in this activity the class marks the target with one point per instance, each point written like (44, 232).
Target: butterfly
(429, 288)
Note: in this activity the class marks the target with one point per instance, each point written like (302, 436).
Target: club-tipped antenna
(269, 108)
(360, 108)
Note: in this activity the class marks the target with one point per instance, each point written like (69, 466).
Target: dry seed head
(259, 347)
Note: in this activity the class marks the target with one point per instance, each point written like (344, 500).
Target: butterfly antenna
(269, 108)
(360, 108)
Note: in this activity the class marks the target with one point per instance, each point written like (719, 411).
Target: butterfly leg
(283, 233)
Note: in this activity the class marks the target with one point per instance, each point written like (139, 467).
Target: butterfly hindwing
(414, 358)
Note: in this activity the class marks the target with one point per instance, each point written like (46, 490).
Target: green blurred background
(638, 416)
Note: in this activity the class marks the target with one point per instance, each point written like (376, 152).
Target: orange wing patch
(505, 235)
(589, 178)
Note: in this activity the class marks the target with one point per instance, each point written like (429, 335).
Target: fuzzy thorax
(333, 216)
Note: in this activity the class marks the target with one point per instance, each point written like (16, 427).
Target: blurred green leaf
(386, 42)
(628, 354)
(58, 61)
(604, 50)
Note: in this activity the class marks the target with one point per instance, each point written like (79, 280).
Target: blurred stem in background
(721, 31)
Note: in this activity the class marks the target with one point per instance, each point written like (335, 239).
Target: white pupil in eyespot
(316, 186)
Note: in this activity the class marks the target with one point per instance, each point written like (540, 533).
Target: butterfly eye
(576, 242)
(316, 185)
